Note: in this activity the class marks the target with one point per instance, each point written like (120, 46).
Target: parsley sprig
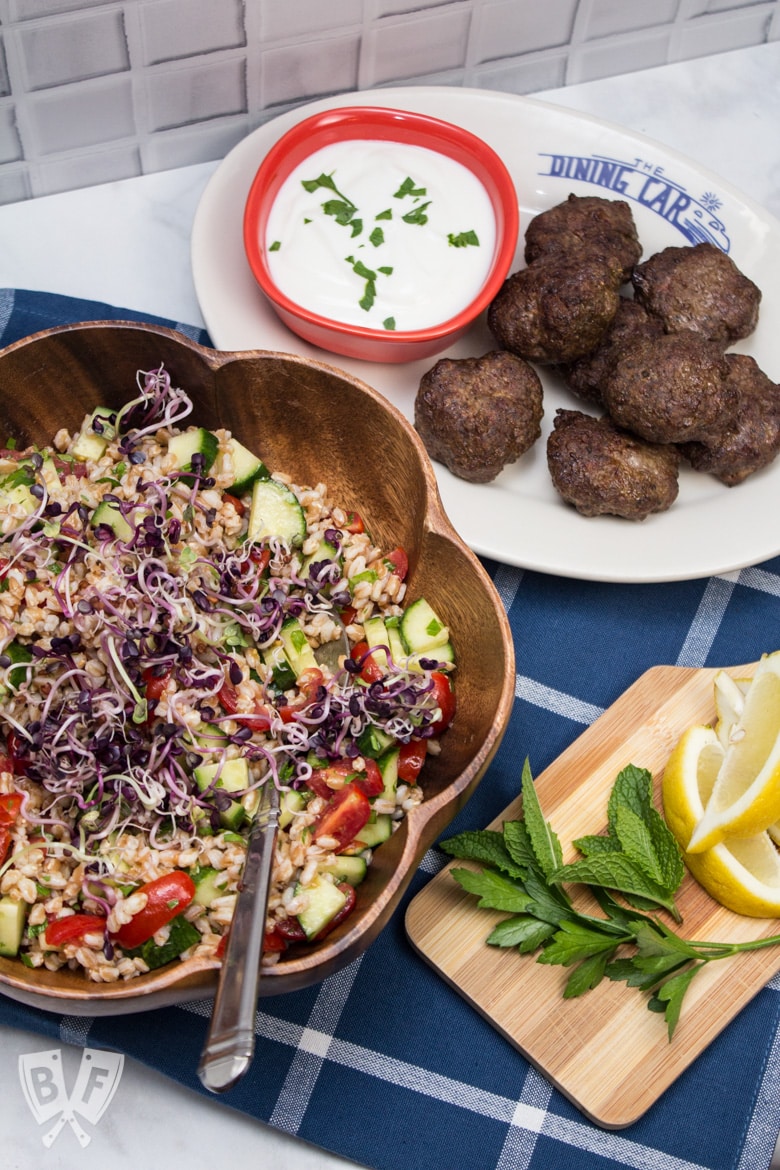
(633, 871)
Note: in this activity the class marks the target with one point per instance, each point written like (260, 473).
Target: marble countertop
(127, 243)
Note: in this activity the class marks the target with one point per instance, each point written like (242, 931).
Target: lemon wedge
(745, 797)
(729, 703)
(742, 875)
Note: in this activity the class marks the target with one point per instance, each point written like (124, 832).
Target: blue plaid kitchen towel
(436, 1088)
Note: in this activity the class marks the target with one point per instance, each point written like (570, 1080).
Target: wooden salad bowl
(320, 425)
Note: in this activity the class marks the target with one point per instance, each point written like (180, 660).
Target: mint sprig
(635, 866)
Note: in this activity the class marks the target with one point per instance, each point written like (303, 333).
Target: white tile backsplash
(79, 116)
(94, 90)
(172, 29)
(407, 47)
(204, 90)
(510, 27)
(84, 45)
(308, 70)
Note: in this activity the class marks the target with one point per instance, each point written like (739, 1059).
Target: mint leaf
(518, 842)
(494, 891)
(634, 836)
(483, 845)
(633, 788)
(599, 843)
(544, 842)
(616, 871)
(524, 932)
(550, 903)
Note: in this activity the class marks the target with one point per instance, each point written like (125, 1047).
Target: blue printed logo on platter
(646, 184)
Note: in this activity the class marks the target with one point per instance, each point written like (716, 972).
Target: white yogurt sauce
(432, 269)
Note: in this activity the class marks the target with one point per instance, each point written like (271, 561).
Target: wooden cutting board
(605, 1051)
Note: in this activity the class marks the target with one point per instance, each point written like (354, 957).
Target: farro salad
(164, 601)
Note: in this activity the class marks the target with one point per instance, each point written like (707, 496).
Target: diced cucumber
(233, 777)
(444, 655)
(48, 473)
(275, 512)
(325, 551)
(297, 647)
(375, 831)
(210, 883)
(398, 651)
(374, 741)
(196, 441)
(208, 738)
(109, 515)
(246, 467)
(291, 803)
(20, 656)
(388, 766)
(421, 628)
(18, 496)
(13, 916)
(324, 901)
(344, 869)
(282, 673)
(376, 635)
(91, 442)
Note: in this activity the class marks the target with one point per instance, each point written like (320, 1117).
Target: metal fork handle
(230, 1043)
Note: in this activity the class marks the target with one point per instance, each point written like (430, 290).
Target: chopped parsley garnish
(463, 239)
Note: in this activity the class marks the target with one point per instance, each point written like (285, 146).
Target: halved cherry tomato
(345, 814)
(343, 913)
(155, 683)
(291, 929)
(354, 523)
(318, 781)
(399, 562)
(260, 558)
(5, 841)
(227, 696)
(62, 930)
(274, 942)
(371, 671)
(308, 684)
(370, 782)
(10, 803)
(411, 757)
(348, 614)
(333, 776)
(445, 700)
(166, 896)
